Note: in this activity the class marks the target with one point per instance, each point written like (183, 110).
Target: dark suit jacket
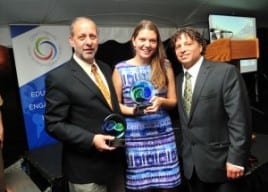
(75, 110)
(219, 126)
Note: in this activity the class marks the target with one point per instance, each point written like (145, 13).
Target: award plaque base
(143, 106)
(116, 143)
(140, 107)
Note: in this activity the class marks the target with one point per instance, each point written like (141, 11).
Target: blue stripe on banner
(33, 105)
(16, 31)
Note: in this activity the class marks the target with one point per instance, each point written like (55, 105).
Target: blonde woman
(147, 80)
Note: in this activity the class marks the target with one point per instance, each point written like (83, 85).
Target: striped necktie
(101, 84)
(187, 96)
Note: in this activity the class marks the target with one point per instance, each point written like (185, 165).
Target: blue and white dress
(152, 160)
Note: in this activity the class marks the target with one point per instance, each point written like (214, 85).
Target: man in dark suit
(216, 130)
(75, 111)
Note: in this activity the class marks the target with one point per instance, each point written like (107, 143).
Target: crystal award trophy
(115, 125)
(141, 93)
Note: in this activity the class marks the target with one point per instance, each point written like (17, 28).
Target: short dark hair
(193, 34)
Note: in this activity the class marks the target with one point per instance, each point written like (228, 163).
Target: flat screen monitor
(234, 27)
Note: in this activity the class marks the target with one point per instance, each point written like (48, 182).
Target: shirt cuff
(237, 166)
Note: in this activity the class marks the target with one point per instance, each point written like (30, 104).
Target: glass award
(115, 125)
(141, 93)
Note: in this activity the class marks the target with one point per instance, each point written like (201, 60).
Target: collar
(195, 68)
(82, 62)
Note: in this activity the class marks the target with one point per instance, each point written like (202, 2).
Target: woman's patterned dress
(152, 160)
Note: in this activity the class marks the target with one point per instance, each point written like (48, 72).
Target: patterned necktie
(187, 96)
(101, 84)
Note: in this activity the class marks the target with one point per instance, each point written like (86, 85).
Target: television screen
(234, 27)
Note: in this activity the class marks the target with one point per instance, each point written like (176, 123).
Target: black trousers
(196, 185)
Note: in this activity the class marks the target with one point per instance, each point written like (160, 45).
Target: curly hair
(193, 34)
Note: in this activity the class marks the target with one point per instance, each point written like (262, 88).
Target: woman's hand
(156, 103)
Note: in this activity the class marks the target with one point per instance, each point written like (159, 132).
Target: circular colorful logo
(44, 49)
(114, 124)
(142, 91)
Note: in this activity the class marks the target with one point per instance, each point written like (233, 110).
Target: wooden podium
(228, 49)
(232, 50)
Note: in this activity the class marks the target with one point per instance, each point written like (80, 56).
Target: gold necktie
(101, 84)
(187, 96)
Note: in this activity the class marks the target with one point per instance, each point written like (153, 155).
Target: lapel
(200, 82)
(81, 75)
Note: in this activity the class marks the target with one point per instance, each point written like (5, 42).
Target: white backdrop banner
(38, 49)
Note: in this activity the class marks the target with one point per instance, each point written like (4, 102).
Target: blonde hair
(158, 75)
